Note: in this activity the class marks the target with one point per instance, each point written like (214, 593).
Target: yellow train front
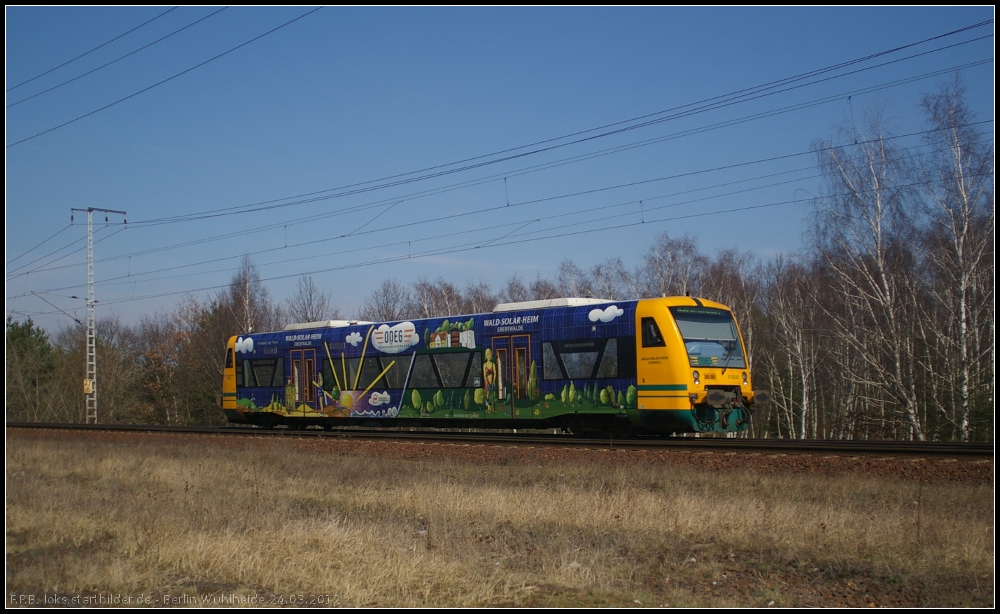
(692, 370)
(655, 366)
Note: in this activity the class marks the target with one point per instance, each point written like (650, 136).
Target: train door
(229, 378)
(512, 356)
(661, 374)
(304, 377)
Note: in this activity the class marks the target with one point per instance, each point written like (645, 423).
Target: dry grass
(178, 522)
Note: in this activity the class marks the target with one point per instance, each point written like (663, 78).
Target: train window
(261, 373)
(424, 375)
(609, 363)
(474, 372)
(279, 373)
(239, 374)
(393, 377)
(626, 357)
(579, 364)
(370, 370)
(550, 364)
(589, 358)
(651, 337)
(229, 358)
(452, 369)
(248, 374)
(330, 381)
(389, 368)
(579, 359)
(710, 337)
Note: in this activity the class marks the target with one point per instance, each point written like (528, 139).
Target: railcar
(657, 366)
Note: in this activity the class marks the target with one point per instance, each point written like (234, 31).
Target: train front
(692, 369)
(234, 412)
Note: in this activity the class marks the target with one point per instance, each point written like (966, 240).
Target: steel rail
(507, 437)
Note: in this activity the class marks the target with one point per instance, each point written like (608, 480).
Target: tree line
(881, 327)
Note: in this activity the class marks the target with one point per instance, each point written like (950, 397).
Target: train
(657, 366)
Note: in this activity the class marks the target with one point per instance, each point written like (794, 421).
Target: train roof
(325, 324)
(519, 306)
(551, 302)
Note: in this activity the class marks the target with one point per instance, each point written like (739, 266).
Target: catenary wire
(118, 59)
(104, 44)
(171, 78)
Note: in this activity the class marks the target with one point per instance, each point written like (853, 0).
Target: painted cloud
(606, 315)
(379, 398)
(244, 346)
(354, 339)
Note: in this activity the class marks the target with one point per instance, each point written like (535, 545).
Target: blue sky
(357, 144)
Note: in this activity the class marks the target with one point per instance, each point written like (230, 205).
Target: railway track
(966, 450)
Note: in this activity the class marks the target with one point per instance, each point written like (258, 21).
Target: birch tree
(959, 256)
(672, 267)
(863, 229)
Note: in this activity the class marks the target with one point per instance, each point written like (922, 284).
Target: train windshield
(710, 337)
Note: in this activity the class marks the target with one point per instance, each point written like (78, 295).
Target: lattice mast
(90, 377)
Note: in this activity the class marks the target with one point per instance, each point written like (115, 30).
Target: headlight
(744, 378)
(696, 376)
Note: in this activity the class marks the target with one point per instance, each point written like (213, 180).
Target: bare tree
(310, 304)
(479, 298)
(572, 281)
(863, 228)
(195, 343)
(389, 302)
(67, 402)
(672, 267)
(542, 289)
(119, 371)
(514, 292)
(160, 353)
(795, 347)
(609, 280)
(248, 301)
(958, 251)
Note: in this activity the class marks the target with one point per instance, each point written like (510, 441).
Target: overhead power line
(681, 111)
(118, 59)
(171, 78)
(325, 195)
(516, 225)
(104, 44)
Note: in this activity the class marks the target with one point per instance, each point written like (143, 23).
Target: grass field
(169, 522)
